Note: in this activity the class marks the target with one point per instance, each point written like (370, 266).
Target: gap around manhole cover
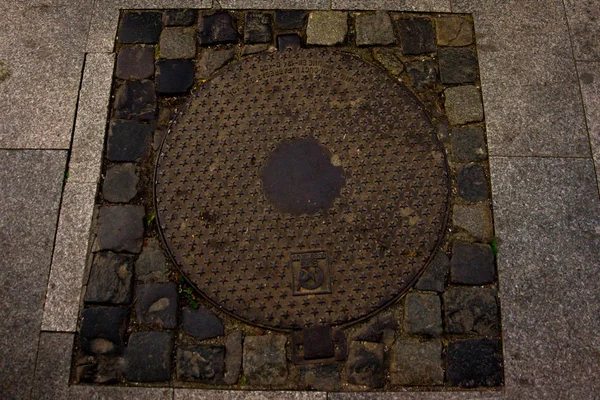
(332, 264)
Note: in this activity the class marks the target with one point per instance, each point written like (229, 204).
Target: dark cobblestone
(289, 42)
(148, 357)
(135, 62)
(201, 323)
(416, 36)
(423, 73)
(423, 314)
(121, 228)
(390, 58)
(289, 20)
(468, 144)
(135, 100)
(258, 28)
(174, 77)
(325, 377)
(415, 362)
(380, 329)
(434, 276)
(374, 29)
(365, 365)
(156, 304)
(472, 264)
(474, 362)
(471, 310)
(102, 330)
(179, 17)
(217, 29)
(457, 65)
(177, 43)
(120, 184)
(140, 27)
(233, 357)
(110, 279)
(211, 60)
(151, 265)
(265, 359)
(201, 364)
(472, 183)
(128, 140)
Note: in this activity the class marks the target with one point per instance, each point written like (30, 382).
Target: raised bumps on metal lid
(372, 205)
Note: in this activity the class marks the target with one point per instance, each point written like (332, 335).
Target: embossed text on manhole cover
(301, 188)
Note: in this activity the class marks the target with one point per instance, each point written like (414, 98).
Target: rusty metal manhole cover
(301, 188)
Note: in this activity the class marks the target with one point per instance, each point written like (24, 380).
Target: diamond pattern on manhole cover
(251, 243)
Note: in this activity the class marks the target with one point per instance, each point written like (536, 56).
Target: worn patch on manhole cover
(333, 252)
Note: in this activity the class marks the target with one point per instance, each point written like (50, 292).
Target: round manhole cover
(301, 188)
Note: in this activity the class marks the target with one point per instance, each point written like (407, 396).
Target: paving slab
(547, 216)
(31, 184)
(188, 394)
(393, 5)
(63, 296)
(274, 4)
(536, 71)
(52, 367)
(589, 78)
(44, 57)
(417, 396)
(90, 127)
(584, 28)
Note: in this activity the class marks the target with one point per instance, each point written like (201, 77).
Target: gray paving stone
(418, 395)
(476, 219)
(549, 331)
(110, 279)
(97, 392)
(179, 17)
(218, 28)
(584, 29)
(135, 100)
(321, 377)
(128, 140)
(589, 76)
(120, 184)
(457, 65)
(148, 357)
(472, 183)
(52, 367)
(135, 62)
(468, 144)
(201, 323)
(177, 43)
(156, 304)
(276, 4)
(211, 60)
(453, 30)
(471, 310)
(475, 362)
(424, 74)
(463, 104)
(390, 59)
(326, 28)
(139, 27)
(103, 330)
(256, 48)
(393, 5)
(203, 363)
(265, 359)
(90, 125)
(121, 228)
(416, 35)
(374, 29)
(233, 357)
(434, 276)
(472, 264)
(63, 296)
(379, 329)
(258, 28)
(151, 265)
(415, 362)
(288, 20)
(365, 364)
(31, 184)
(423, 314)
(190, 394)
(45, 56)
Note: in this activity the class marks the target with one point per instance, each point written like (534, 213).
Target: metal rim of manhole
(301, 188)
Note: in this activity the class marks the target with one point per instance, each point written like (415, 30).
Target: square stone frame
(66, 288)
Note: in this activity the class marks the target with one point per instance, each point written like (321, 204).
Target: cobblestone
(416, 36)
(135, 100)
(140, 27)
(424, 74)
(472, 264)
(453, 31)
(374, 29)
(457, 65)
(265, 359)
(289, 42)
(179, 17)
(148, 357)
(135, 62)
(380, 329)
(472, 183)
(120, 184)
(110, 279)
(468, 144)
(174, 77)
(121, 228)
(156, 304)
(325, 377)
(423, 314)
(217, 29)
(151, 265)
(201, 323)
(289, 20)
(476, 219)
(471, 310)
(474, 362)
(212, 60)
(416, 363)
(365, 365)
(201, 364)
(102, 330)
(233, 357)
(258, 28)
(177, 43)
(390, 58)
(434, 276)
(463, 105)
(128, 141)
(326, 28)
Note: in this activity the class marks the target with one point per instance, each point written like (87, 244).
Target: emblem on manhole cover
(301, 188)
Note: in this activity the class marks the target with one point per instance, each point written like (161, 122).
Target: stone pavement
(540, 73)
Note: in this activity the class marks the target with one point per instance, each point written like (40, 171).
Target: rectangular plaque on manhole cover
(310, 273)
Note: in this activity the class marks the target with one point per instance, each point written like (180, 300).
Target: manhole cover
(301, 188)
